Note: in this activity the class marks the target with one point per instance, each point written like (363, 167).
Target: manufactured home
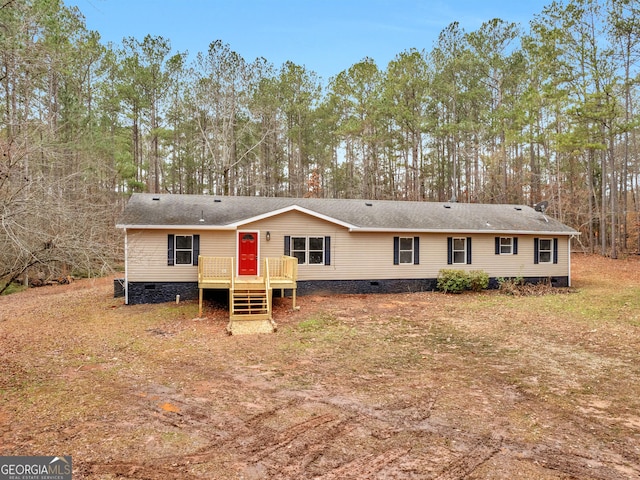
(184, 244)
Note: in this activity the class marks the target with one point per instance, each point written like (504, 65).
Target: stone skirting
(319, 287)
(159, 292)
(309, 287)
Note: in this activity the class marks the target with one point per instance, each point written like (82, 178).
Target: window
(545, 250)
(183, 250)
(406, 250)
(506, 246)
(459, 250)
(308, 250)
(316, 250)
(299, 249)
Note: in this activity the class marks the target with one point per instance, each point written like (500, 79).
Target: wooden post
(200, 303)
(293, 296)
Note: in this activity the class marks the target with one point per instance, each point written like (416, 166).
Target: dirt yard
(408, 386)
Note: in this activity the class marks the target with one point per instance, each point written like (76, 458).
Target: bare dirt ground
(408, 386)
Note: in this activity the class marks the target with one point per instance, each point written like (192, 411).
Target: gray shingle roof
(211, 212)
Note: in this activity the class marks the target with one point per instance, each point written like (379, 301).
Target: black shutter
(468, 250)
(449, 250)
(327, 250)
(170, 255)
(497, 245)
(555, 250)
(196, 249)
(287, 245)
(396, 250)
(416, 250)
(515, 245)
(536, 250)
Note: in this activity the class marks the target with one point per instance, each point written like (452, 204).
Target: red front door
(247, 253)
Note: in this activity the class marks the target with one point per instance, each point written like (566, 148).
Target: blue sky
(326, 36)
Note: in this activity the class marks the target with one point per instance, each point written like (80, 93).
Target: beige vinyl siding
(362, 256)
(484, 258)
(297, 224)
(354, 255)
(147, 254)
(370, 256)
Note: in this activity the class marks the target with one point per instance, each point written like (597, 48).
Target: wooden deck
(249, 297)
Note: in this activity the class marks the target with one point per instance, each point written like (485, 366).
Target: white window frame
(463, 250)
(548, 251)
(307, 249)
(401, 250)
(177, 249)
(504, 247)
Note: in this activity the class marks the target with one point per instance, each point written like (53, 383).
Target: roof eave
(461, 231)
(174, 227)
(351, 228)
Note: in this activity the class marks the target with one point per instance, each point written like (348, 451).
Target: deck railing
(267, 285)
(219, 272)
(216, 271)
(282, 268)
(283, 274)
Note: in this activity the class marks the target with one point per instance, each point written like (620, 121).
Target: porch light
(268, 236)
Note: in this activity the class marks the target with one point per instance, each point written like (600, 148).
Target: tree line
(503, 114)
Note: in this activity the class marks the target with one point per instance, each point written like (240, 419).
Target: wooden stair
(250, 303)
(250, 308)
(249, 296)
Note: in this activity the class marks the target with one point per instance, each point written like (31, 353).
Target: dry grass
(426, 385)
